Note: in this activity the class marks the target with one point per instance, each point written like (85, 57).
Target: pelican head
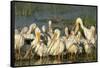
(72, 33)
(79, 21)
(50, 22)
(24, 30)
(78, 24)
(33, 26)
(66, 31)
(16, 31)
(37, 33)
(92, 28)
(43, 28)
(57, 33)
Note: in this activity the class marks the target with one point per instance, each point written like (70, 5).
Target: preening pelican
(31, 28)
(56, 46)
(21, 36)
(89, 33)
(29, 34)
(40, 47)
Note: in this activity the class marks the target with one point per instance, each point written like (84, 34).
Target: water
(66, 58)
(56, 60)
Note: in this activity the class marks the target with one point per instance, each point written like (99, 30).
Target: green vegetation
(64, 14)
(27, 9)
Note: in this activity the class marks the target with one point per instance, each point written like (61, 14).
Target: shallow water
(65, 58)
(56, 60)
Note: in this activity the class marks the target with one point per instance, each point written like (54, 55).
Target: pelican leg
(20, 57)
(68, 55)
(75, 56)
(62, 56)
(87, 56)
(56, 57)
(41, 57)
(18, 54)
(59, 56)
(90, 56)
(28, 54)
(71, 55)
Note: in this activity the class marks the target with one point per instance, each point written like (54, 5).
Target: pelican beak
(38, 36)
(53, 38)
(55, 35)
(34, 27)
(77, 27)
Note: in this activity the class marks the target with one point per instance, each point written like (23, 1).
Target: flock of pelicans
(48, 42)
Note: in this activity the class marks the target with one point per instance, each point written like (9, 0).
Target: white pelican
(24, 30)
(66, 32)
(80, 39)
(29, 34)
(88, 48)
(45, 36)
(71, 44)
(20, 38)
(89, 33)
(43, 28)
(56, 46)
(16, 31)
(50, 30)
(31, 28)
(64, 38)
(39, 47)
(19, 42)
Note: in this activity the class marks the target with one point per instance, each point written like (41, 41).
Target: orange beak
(38, 36)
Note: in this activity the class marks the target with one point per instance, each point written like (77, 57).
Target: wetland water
(53, 60)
